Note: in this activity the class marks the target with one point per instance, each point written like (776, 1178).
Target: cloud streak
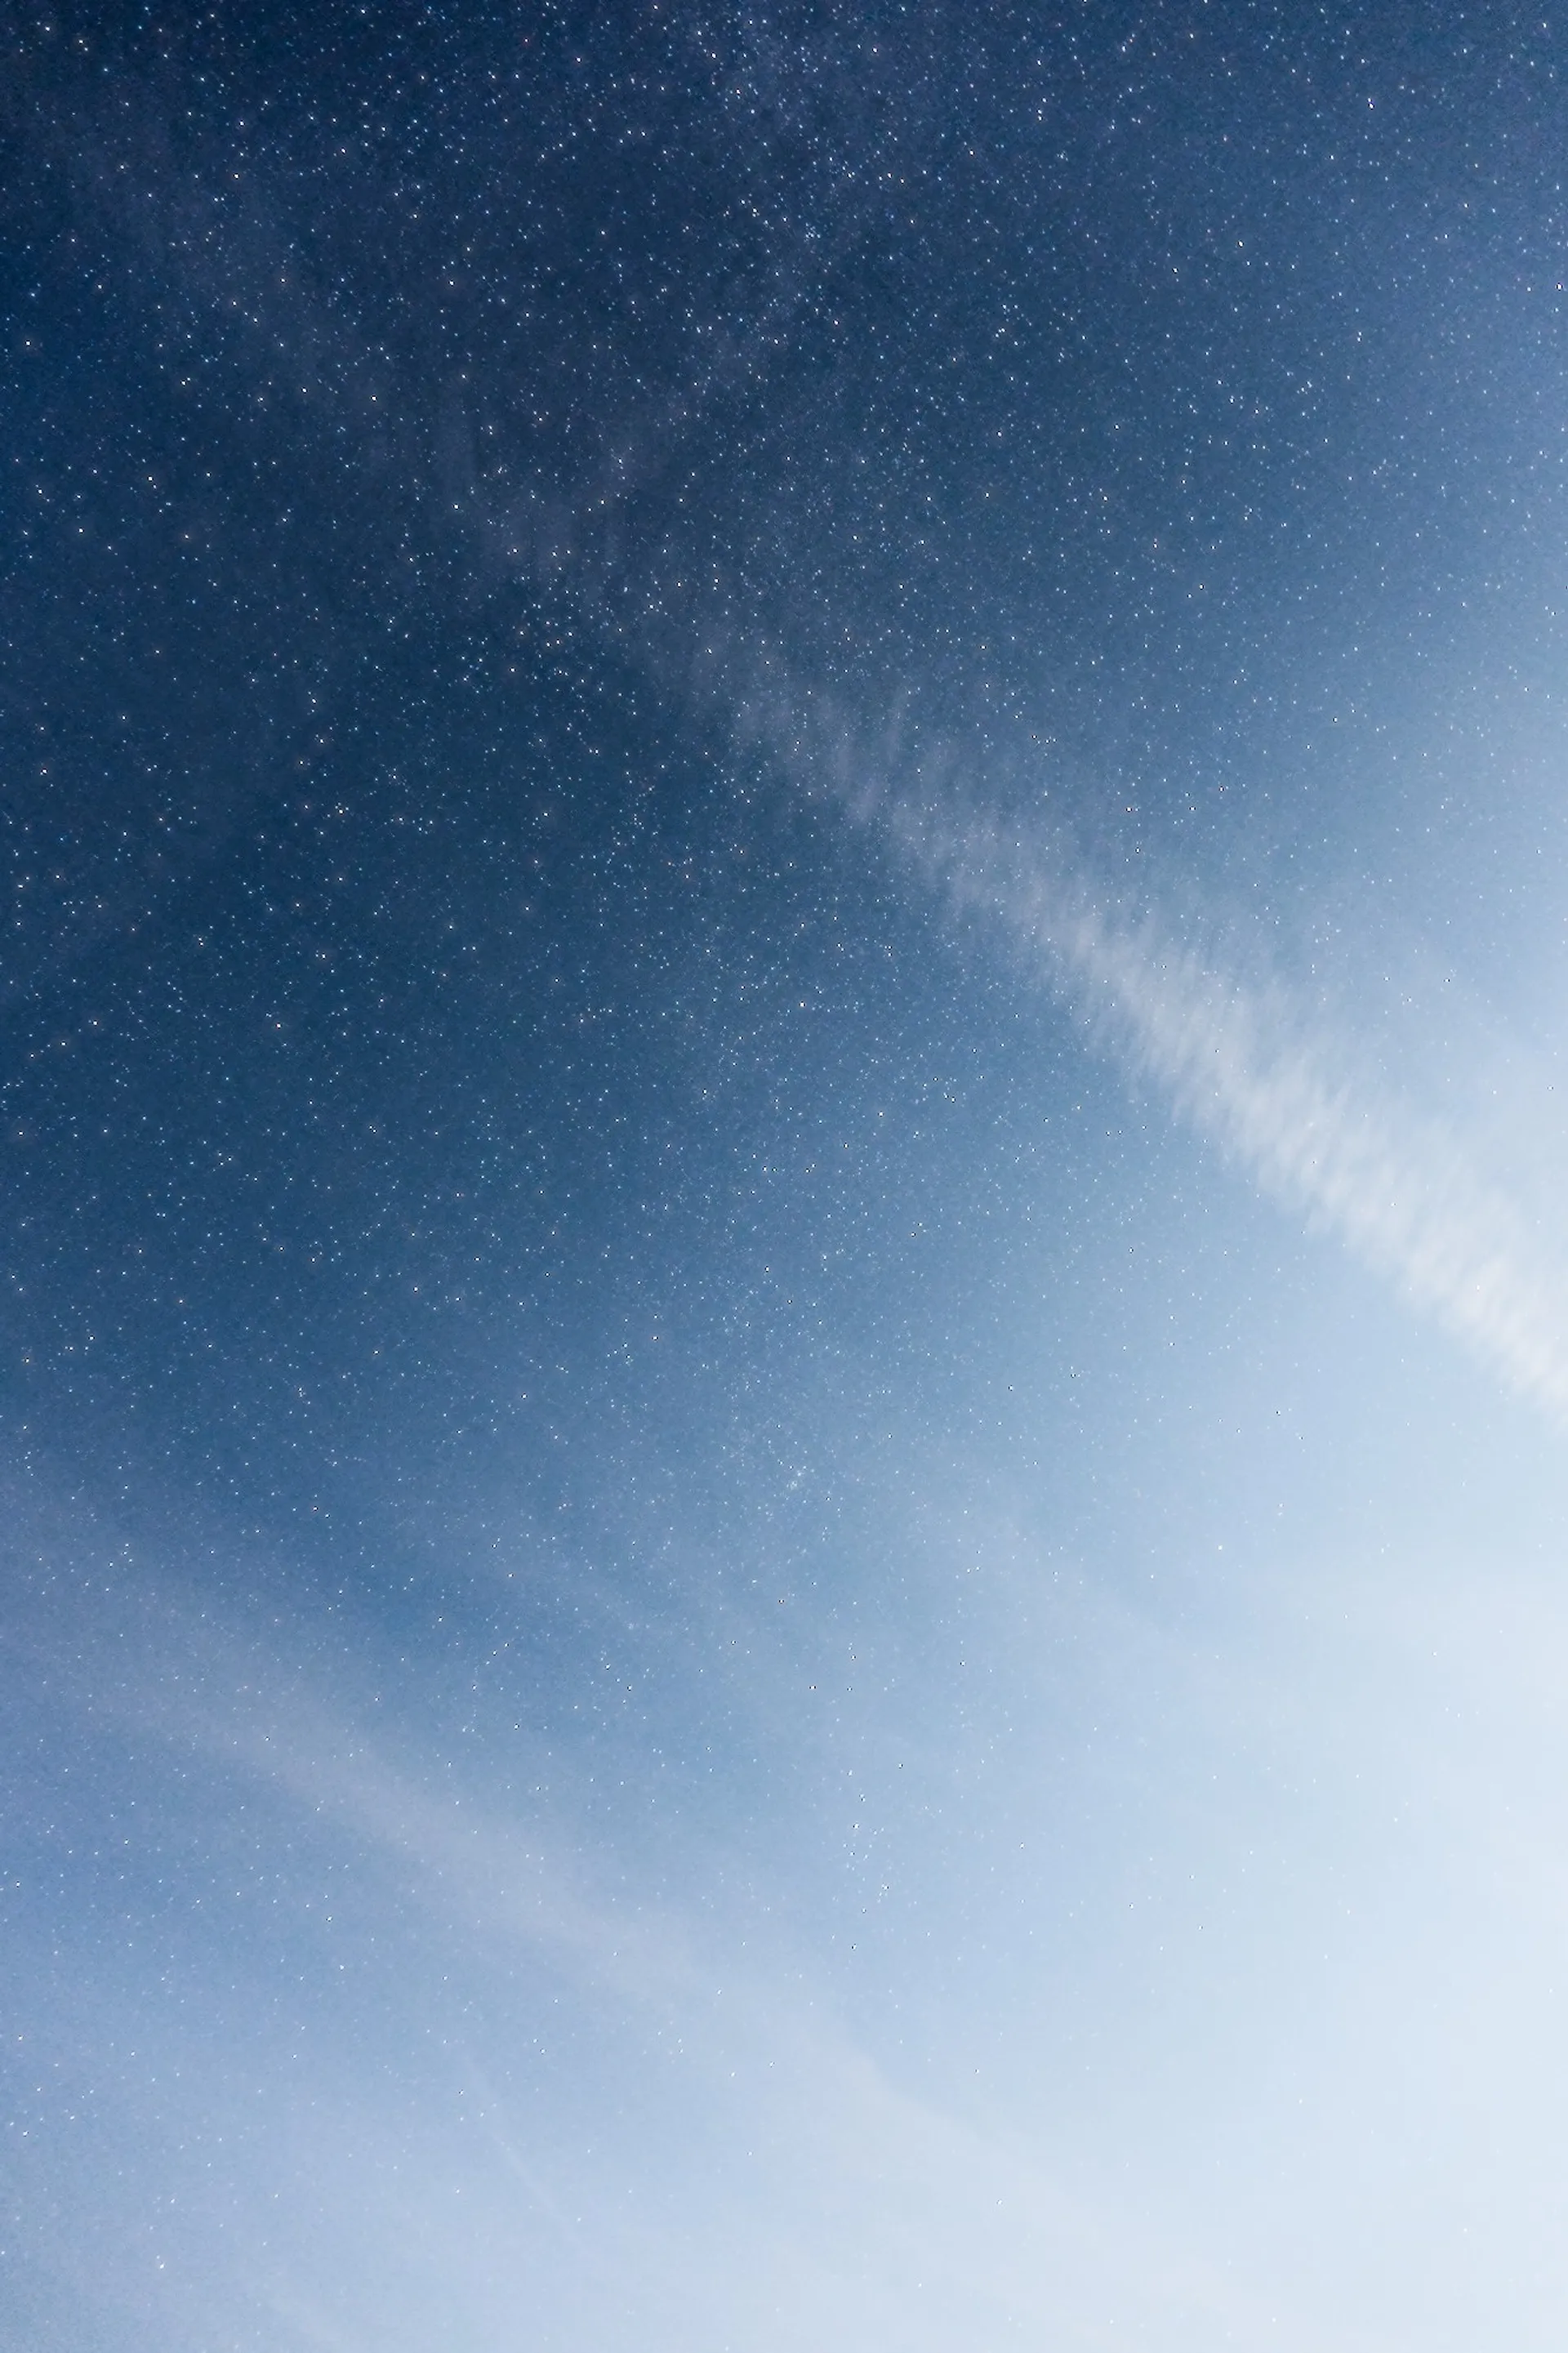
(1280, 1088)
(417, 2166)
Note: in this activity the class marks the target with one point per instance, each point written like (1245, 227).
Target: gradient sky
(784, 1038)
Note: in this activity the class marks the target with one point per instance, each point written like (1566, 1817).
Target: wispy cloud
(739, 2166)
(867, 2207)
(1283, 1090)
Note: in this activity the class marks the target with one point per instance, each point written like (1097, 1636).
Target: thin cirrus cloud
(1282, 1091)
(1285, 1100)
(382, 2187)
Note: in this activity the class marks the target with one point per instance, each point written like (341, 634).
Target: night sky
(784, 1091)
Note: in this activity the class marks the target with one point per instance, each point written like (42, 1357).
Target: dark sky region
(783, 1039)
